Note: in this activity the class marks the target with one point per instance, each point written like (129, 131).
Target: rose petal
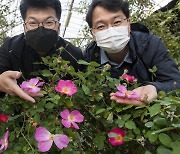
(44, 146)
(75, 125)
(121, 89)
(1, 148)
(119, 94)
(34, 90)
(61, 141)
(33, 81)
(77, 116)
(64, 114)
(24, 85)
(40, 84)
(42, 134)
(132, 95)
(66, 123)
(114, 142)
(3, 118)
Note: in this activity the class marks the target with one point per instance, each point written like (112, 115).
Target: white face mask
(113, 39)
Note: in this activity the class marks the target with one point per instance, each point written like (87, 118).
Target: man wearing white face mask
(129, 46)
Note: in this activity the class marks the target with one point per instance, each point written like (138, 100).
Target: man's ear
(58, 30)
(129, 26)
(24, 27)
(92, 33)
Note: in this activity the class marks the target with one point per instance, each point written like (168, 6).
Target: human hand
(8, 84)
(148, 93)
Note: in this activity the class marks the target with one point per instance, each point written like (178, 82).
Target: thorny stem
(24, 135)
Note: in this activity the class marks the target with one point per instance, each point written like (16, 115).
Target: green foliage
(166, 25)
(149, 129)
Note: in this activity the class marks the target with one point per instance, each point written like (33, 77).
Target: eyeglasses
(49, 24)
(116, 23)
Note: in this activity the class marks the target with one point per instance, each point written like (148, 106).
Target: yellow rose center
(65, 90)
(119, 138)
(70, 118)
(52, 137)
(128, 93)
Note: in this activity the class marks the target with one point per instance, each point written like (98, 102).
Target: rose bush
(79, 117)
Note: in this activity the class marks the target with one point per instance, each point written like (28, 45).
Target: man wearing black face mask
(40, 38)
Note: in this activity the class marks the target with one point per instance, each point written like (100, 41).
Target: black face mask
(41, 39)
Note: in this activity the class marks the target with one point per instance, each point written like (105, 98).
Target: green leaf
(137, 131)
(100, 111)
(12, 137)
(46, 73)
(160, 121)
(163, 150)
(130, 124)
(120, 123)
(176, 125)
(148, 152)
(149, 124)
(83, 62)
(110, 117)
(86, 89)
(94, 64)
(49, 106)
(176, 147)
(37, 118)
(152, 137)
(126, 117)
(154, 110)
(99, 141)
(165, 139)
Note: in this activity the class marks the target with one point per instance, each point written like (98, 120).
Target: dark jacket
(146, 50)
(15, 55)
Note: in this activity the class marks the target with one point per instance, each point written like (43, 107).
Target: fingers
(19, 92)
(126, 101)
(39, 94)
(8, 84)
(13, 74)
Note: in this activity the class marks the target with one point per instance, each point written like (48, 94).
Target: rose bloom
(66, 87)
(71, 119)
(45, 139)
(115, 136)
(124, 93)
(32, 85)
(128, 78)
(3, 118)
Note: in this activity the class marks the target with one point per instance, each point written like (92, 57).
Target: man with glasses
(41, 38)
(129, 46)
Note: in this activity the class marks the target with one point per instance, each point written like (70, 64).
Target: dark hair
(26, 4)
(111, 5)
